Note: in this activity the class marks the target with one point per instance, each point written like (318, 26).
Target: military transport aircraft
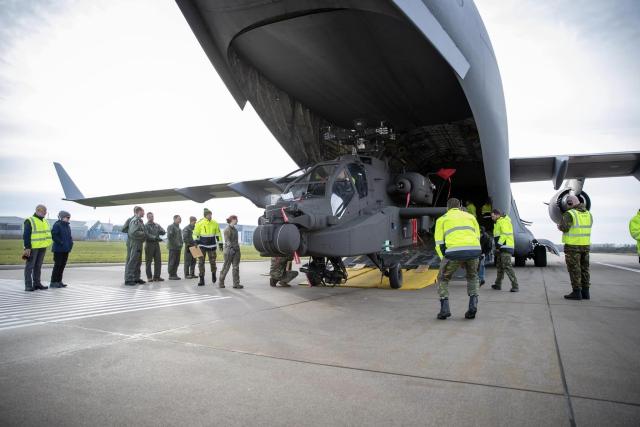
(388, 107)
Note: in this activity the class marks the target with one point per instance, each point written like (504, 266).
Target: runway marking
(20, 309)
(619, 266)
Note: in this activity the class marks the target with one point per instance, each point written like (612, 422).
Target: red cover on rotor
(446, 173)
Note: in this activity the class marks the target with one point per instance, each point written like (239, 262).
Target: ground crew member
(576, 236)
(279, 273)
(457, 238)
(471, 208)
(485, 212)
(207, 235)
(486, 244)
(505, 244)
(231, 253)
(152, 249)
(36, 238)
(136, 237)
(634, 229)
(189, 260)
(174, 245)
(62, 245)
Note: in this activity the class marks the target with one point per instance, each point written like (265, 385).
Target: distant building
(245, 233)
(105, 231)
(11, 227)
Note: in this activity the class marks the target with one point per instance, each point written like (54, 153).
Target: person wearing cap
(576, 236)
(457, 237)
(189, 260)
(231, 253)
(634, 230)
(505, 246)
(62, 245)
(206, 235)
(36, 237)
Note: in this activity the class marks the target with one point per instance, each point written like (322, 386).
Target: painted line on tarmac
(635, 270)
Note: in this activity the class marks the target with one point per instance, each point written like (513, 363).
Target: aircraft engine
(558, 203)
(276, 239)
(418, 187)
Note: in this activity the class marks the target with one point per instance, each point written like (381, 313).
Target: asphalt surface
(99, 353)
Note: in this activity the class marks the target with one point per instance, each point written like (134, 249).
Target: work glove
(221, 246)
(26, 254)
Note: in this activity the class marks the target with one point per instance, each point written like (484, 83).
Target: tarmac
(171, 353)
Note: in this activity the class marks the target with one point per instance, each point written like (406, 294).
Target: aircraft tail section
(71, 190)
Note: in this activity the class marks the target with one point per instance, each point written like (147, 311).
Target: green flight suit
(174, 245)
(136, 237)
(231, 255)
(189, 260)
(152, 249)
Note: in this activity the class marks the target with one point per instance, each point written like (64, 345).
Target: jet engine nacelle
(418, 187)
(558, 203)
(276, 239)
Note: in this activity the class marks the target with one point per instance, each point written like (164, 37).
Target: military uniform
(207, 235)
(457, 236)
(231, 256)
(278, 271)
(505, 244)
(189, 260)
(634, 230)
(576, 235)
(136, 237)
(174, 245)
(152, 250)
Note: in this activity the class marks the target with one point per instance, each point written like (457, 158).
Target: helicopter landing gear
(323, 271)
(393, 272)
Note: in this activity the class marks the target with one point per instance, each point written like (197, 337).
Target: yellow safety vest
(580, 232)
(503, 230)
(207, 232)
(486, 209)
(634, 229)
(471, 208)
(40, 233)
(459, 232)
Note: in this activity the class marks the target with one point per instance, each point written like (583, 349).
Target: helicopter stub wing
(559, 168)
(258, 191)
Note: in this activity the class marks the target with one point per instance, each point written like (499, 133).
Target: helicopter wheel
(395, 276)
(316, 268)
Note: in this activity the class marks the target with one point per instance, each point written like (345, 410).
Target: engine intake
(558, 203)
(417, 186)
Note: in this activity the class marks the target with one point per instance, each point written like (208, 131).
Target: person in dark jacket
(62, 245)
(174, 244)
(486, 244)
(189, 260)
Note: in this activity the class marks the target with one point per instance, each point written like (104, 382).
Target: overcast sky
(121, 94)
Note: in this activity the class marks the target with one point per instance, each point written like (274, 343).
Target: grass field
(95, 251)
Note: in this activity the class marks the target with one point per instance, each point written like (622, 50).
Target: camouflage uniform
(576, 256)
(278, 270)
(152, 249)
(135, 240)
(189, 260)
(447, 269)
(231, 256)
(174, 244)
(503, 265)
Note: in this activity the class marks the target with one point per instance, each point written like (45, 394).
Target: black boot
(575, 294)
(273, 282)
(585, 293)
(444, 309)
(213, 277)
(40, 286)
(473, 307)
(201, 282)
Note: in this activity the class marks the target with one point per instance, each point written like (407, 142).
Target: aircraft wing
(559, 168)
(258, 191)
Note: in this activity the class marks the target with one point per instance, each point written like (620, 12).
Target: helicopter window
(359, 179)
(311, 184)
(342, 192)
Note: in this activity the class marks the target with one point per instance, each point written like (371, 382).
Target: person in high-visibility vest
(457, 238)
(634, 230)
(207, 235)
(471, 208)
(485, 216)
(505, 245)
(576, 226)
(36, 237)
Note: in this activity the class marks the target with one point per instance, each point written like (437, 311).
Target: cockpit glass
(311, 184)
(342, 192)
